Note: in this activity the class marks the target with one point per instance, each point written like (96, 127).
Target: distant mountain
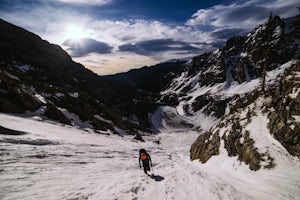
(151, 79)
(40, 78)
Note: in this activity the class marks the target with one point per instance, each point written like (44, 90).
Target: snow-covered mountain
(241, 60)
(245, 91)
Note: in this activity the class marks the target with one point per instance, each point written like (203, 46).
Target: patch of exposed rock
(205, 147)
(286, 103)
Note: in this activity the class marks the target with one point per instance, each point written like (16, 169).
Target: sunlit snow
(55, 161)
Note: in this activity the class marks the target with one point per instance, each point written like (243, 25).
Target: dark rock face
(215, 106)
(204, 147)
(283, 125)
(16, 99)
(245, 150)
(249, 154)
(282, 109)
(53, 113)
(139, 137)
(237, 142)
(201, 101)
(242, 59)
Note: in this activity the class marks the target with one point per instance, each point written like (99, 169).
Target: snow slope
(53, 161)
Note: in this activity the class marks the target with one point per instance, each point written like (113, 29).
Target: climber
(146, 160)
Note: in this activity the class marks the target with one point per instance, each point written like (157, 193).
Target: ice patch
(297, 118)
(102, 119)
(75, 119)
(24, 68)
(59, 94)
(41, 98)
(74, 94)
(294, 93)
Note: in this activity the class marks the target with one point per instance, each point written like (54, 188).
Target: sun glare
(75, 32)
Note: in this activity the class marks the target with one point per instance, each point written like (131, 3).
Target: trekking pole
(152, 169)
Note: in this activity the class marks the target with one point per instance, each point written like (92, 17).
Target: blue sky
(110, 36)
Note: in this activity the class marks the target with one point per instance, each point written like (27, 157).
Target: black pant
(146, 166)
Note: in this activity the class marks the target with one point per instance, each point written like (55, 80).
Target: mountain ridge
(226, 83)
(33, 67)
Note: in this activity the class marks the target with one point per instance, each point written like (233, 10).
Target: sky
(112, 36)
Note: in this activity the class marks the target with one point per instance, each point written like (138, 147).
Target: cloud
(245, 15)
(87, 2)
(156, 46)
(233, 16)
(127, 32)
(85, 46)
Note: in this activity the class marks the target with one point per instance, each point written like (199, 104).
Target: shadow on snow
(157, 177)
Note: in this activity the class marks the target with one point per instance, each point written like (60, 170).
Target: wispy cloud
(87, 2)
(245, 15)
(158, 46)
(233, 15)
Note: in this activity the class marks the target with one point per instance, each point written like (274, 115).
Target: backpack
(143, 154)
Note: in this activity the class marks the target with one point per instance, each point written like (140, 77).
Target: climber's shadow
(157, 177)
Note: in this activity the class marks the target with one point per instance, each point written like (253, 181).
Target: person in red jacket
(146, 160)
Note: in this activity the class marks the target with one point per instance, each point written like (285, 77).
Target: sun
(75, 32)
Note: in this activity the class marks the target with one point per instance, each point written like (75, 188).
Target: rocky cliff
(251, 77)
(275, 99)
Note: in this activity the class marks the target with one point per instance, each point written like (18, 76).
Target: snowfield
(52, 161)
